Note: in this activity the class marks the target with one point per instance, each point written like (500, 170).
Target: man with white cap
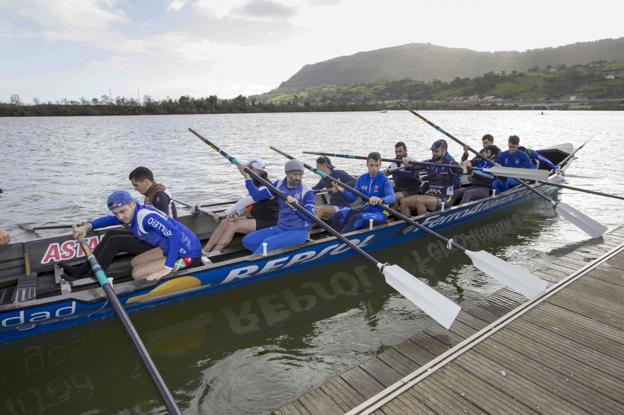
(162, 245)
(292, 227)
(245, 216)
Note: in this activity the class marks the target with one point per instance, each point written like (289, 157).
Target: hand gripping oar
(577, 218)
(170, 403)
(511, 275)
(440, 308)
(529, 174)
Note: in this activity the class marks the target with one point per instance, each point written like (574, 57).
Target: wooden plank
(570, 347)
(342, 394)
(582, 305)
(483, 314)
(441, 335)
(614, 292)
(416, 353)
(317, 402)
(549, 277)
(462, 330)
(617, 261)
(380, 371)
(451, 398)
(566, 388)
(511, 295)
(361, 381)
(487, 397)
(551, 314)
(493, 308)
(409, 404)
(428, 398)
(569, 259)
(560, 362)
(616, 278)
(561, 268)
(520, 389)
(471, 321)
(398, 361)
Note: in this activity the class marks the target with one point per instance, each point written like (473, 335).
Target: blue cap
(118, 198)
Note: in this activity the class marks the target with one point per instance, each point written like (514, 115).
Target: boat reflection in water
(252, 349)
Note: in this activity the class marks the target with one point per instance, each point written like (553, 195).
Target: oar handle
(166, 395)
(388, 160)
(366, 198)
(300, 208)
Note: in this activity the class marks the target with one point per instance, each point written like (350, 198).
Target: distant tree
(36, 101)
(95, 101)
(15, 99)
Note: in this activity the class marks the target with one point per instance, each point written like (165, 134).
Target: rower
(292, 227)
(156, 194)
(442, 182)
(336, 200)
(406, 181)
(481, 181)
(245, 216)
(537, 158)
(377, 187)
(162, 245)
(486, 140)
(511, 158)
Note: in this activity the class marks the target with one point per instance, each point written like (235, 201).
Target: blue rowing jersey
(519, 159)
(378, 186)
(154, 228)
(289, 217)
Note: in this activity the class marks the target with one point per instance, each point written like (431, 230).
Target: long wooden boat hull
(29, 318)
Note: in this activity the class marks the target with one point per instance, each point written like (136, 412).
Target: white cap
(256, 163)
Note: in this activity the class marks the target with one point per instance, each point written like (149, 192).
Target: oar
(529, 174)
(572, 154)
(577, 218)
(196, 208)
(511, 275)
(29, 228)
(593, 192)
(170, 403)
(440, 308)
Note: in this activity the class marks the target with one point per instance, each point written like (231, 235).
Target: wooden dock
(562, 353)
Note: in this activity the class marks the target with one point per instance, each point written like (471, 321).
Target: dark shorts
(408, 192)
(263, 223)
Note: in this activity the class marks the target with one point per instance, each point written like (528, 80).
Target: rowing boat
(33, 300)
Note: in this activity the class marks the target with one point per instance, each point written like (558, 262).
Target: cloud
(265, 9)
(323, 2)
(175, 5)
(68, 15)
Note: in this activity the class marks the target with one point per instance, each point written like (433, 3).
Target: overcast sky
(53, 49)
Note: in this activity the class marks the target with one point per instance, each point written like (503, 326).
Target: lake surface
(256, 348)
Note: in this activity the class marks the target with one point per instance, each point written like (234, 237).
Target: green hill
(426, 62)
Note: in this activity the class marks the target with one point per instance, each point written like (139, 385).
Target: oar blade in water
(513, 276)
(437, 306)
(581, 220)
(528, 174)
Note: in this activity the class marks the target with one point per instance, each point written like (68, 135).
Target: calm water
(258, 347)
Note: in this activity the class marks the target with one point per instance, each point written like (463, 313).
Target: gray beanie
(293, 166)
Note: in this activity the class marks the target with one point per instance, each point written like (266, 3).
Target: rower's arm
(389, 197)
(544, 160)
(104, 222)
(258, 194)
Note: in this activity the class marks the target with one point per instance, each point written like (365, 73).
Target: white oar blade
(437, 306)
(513, 276)
(581, 220)
(529, 174)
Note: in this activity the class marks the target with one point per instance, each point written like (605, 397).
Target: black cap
(437, 144)
(326, 161)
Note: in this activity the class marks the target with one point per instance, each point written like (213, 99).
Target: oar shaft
(366, 198)
(166, 395)
(38, 228)
(565, 186)
(277, 192)
(397, 161)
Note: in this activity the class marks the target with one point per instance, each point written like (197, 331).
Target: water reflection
(257, 347)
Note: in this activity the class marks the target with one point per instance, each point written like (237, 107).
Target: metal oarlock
(443, 206)
(449, 244)
(370, 224)
(493, 192)
(265, 250)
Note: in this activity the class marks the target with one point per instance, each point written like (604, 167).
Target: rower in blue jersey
(377, 187)
(442, 182)
(292, 226)
(406, 180)
(480, 181)
(336, 199)
(512, 158)
(538, 159)
(162, 245)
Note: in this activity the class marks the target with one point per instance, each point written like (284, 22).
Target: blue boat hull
(80, 307)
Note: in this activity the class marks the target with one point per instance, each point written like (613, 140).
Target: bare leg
(146, 257)
(242, 225)
(147, 268)
(214, 238)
